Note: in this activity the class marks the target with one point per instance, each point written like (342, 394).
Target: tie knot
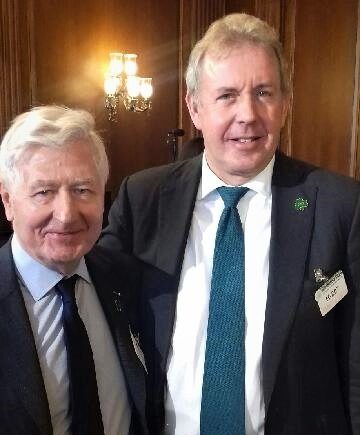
(65, 288)
(231, 195)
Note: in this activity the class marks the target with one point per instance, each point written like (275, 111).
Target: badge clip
(320, 276)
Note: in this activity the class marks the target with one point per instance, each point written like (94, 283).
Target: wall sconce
(122, 84)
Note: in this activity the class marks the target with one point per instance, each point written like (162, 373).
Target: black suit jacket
(24, 406)
(311, 364)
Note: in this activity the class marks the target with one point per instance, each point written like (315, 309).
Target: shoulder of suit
(8, 275)
(301, 172)
(105, 265)
(6, 258)
(101, 258)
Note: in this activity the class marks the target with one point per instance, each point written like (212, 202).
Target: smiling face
(240, 109)
(57, 204)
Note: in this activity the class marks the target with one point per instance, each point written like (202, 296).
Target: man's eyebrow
(265, 85)
(225, 89)
(89, 180)
(230, 89)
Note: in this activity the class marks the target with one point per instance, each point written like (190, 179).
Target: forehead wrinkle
(41, 182)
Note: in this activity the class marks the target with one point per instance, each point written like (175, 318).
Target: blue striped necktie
(84, 399)
(223, 391)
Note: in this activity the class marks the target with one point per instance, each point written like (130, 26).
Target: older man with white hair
(63, 368)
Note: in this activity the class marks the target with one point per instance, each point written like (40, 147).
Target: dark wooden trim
(269, 11)
(287, 37)
(16, 55)
(355, 136)
(195, 17)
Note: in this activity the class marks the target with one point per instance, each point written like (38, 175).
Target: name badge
(331, 292)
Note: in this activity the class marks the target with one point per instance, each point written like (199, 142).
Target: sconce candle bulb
(146, 89)
(111, 84)
(115, 64)
(133, 86)
(130, 64)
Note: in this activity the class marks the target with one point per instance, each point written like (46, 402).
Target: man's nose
(64, 207)
(245, 109)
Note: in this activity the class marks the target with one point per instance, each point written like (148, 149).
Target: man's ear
(192, 105)
(6, 199)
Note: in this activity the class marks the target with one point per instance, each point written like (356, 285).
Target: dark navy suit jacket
(24, 408)
(310, 363)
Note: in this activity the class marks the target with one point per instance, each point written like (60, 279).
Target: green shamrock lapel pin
(300, 204)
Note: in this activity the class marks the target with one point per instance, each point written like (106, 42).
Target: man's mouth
(60, 234)
(246, 139)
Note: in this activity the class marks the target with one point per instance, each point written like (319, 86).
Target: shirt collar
(261, 183)
(36, 277)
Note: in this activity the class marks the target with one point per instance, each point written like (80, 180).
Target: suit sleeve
(354, 357)
(118, 235)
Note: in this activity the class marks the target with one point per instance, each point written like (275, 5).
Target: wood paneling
(269, 11)
(15, 60)
(355, 139)
(319, 41)
(324, 78)
(56, 51)
(139, 140)
(195, 18)
(73, 40)
(246, 6)
(16, 71)
(287, 37)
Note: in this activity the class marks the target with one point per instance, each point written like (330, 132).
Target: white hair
(49, 126)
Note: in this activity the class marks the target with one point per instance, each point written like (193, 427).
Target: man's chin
(65, 260)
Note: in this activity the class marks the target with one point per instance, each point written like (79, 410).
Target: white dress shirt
(44, 308)
(187, 353)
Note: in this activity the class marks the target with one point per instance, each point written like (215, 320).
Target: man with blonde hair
(63, 368)
(250, 308)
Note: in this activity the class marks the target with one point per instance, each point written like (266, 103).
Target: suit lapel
(19, 355)
(133, 369)
(109, 291)
(176, 204)
(177, 199)
(291, 232)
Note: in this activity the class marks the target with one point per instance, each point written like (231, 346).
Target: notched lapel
(19, 360)
(177, 199)
(110, 295)
(292, 222)
(131, 364)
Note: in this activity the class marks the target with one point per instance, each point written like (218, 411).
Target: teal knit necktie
(223, 391)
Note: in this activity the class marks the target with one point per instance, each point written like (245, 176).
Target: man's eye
(264, 93)
(43, 192)
(226, 96)
(81, 190)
